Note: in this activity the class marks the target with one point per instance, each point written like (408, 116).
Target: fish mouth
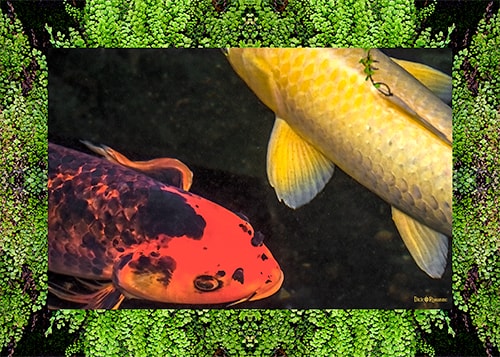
(270, 288)
(265, 291)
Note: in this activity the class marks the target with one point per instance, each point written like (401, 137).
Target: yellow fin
(428, 248)
(438, 82)
(296, 170)
(442, 128)
(165, 169)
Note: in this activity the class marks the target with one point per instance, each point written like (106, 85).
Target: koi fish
(365, 113)
(148, 240)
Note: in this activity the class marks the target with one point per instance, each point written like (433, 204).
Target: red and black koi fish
(148, 240)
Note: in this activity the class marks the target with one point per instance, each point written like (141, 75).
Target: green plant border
(23, 100)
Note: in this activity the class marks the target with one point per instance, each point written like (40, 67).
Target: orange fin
(167, 170)
(105, 295)
(246, 298)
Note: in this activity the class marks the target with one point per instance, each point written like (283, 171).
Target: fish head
(253, 66)
(228, 263)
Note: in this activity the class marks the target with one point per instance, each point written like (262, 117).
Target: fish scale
(397, 145)
(392, 156)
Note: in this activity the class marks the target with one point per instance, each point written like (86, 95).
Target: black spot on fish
(142, 264)
(127, 237)
(220, 273)
(168, 213)
(264, 257)
(257, 239)
(163, 266)
(238, 275)
(243, 227)
(155, 254)
(166, 266)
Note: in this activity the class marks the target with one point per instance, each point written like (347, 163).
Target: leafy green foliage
(252, 24)
(248, 332)
(476, 227)
(370, 71)
(23, 144)
(382, 23)
(197, 23)
(23, 115)
(138, 23)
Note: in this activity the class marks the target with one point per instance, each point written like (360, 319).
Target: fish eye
(207, 283)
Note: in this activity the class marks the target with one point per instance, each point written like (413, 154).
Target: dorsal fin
(438, 82)
(167, 170)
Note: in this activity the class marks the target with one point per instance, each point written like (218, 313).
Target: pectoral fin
(428, 247)
(296, 170)
(167, 170)
(438, 82)
(99, 296)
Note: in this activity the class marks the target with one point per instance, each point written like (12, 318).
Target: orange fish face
(228, 264)
(153, 241)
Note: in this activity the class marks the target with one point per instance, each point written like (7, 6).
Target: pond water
(340, 251)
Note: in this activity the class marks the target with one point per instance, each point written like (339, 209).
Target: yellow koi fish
(364, 112)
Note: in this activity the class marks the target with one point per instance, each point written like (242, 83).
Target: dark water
(340, 251)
